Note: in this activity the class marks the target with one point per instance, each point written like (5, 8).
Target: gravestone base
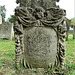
(39, 71)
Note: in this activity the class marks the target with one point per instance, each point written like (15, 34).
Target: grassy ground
(7, 57)
(70, 55)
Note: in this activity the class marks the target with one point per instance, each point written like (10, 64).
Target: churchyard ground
(7, 57)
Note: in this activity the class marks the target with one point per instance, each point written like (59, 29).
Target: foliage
(3, 12)
(11, 19)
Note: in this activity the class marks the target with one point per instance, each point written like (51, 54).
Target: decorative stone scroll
(40, 33)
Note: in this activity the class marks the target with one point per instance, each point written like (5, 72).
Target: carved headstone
(39, 34)
(6, 30)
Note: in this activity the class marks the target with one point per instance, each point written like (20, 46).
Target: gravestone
(73, 32)
(40, 32)
(0, 19)
(6, 30)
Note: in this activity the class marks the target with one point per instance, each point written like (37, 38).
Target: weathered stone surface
(73, 32)
(0, 16)
(6, 31)
(0, 19)
(40, 46)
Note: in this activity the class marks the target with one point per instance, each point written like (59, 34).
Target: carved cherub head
(39, 12)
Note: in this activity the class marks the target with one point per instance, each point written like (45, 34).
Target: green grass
(7, 57)
(70, 55)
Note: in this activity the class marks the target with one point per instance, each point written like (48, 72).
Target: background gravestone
(0, 19)
(40, 32)
(73, 32)
(6, 30)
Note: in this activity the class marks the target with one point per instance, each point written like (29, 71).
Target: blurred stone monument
(73, 32)
(6, 30)
(40, 32)
(0, 17)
